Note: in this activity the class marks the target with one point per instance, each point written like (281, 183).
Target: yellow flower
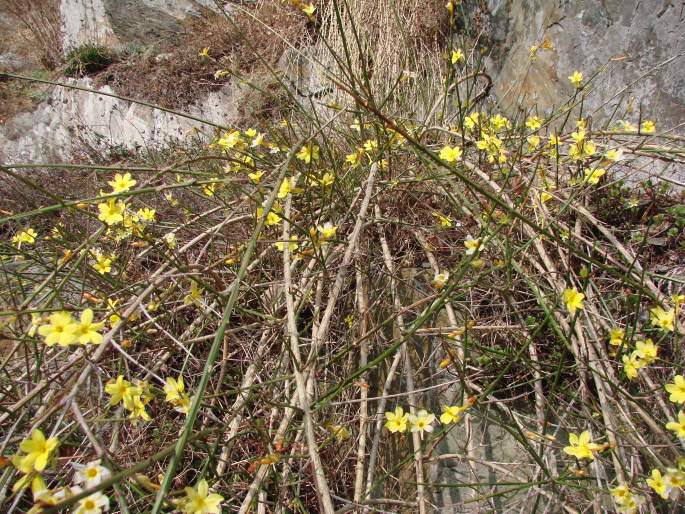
(674, 478)
(256, 177)
(545, 196)
(662, 318)
(452, 414)
(677, 389)
(440, 280)
(576, 79)
(472, 245)
(309, 10)
(648, 127)
(679, 426)
(292, 245)
(499, 122)
(340, 432)
(204, 52)
(95, 503)
(445, 221)
(450, 154)
(593, 175)
(646, 351)
(421, 422)
(136, 407)
(580, 446)
(626, 501)
(457, 56)
(573, 300)
(287, 185)
(354, 158)
(534, 123)
(396, 421)
(533, 142)
(308, 153)
(122, 183)
(103, 264)
(111, 211)
(199, 501)
(230, 139)
(147, 215)
(327, 231)
(27, 236)
(90, 474)
(38, 451)
(614, 155)
(170, 240)
(86, 331)
(631, 365)
(121, 390)
(60, 329)
(616, 336)
(657, 483)
(195, 294)
(174, 389)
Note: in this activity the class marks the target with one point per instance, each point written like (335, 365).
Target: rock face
(636, 46)
(115, 22)
(71, 121)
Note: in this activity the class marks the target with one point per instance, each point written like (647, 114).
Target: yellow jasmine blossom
(204, 52)
(457, 56)
(195, 294)
(27, 236)
(136, 407)
(103, 264)
(198, 500)
(90, 474)
(662, 318)
(614, 155)
(309, 10)
(86, 331)
(534, 123)
(545, 196)
(440, 280)
(38, 451)
(472, 245)
(656, 482)
(450, 154)
(122, 183)
(327, 231)
(646, 351)
(679, 426)
(292, 245)
(616, 336)
(308, 153)
(340, 432)
(648, 127)
(499, 122)
(60, 329)
(146, 214)
(445, 221)
(354, 158)
(631, 365)
(576, 79)
(580, 446)
(121, 390)
(257, 140)
(421, 422)
(452, 414)
(170, 240)
(93, 504)
(396, 421)
(677, 389)
(287, 185)
(593, 175)
(111, 211)
(626, 501)
(256, 177)
(674, 478)
(533, 142)
(370, 145)
(573, 300)
(174, 389)
(471, 120)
